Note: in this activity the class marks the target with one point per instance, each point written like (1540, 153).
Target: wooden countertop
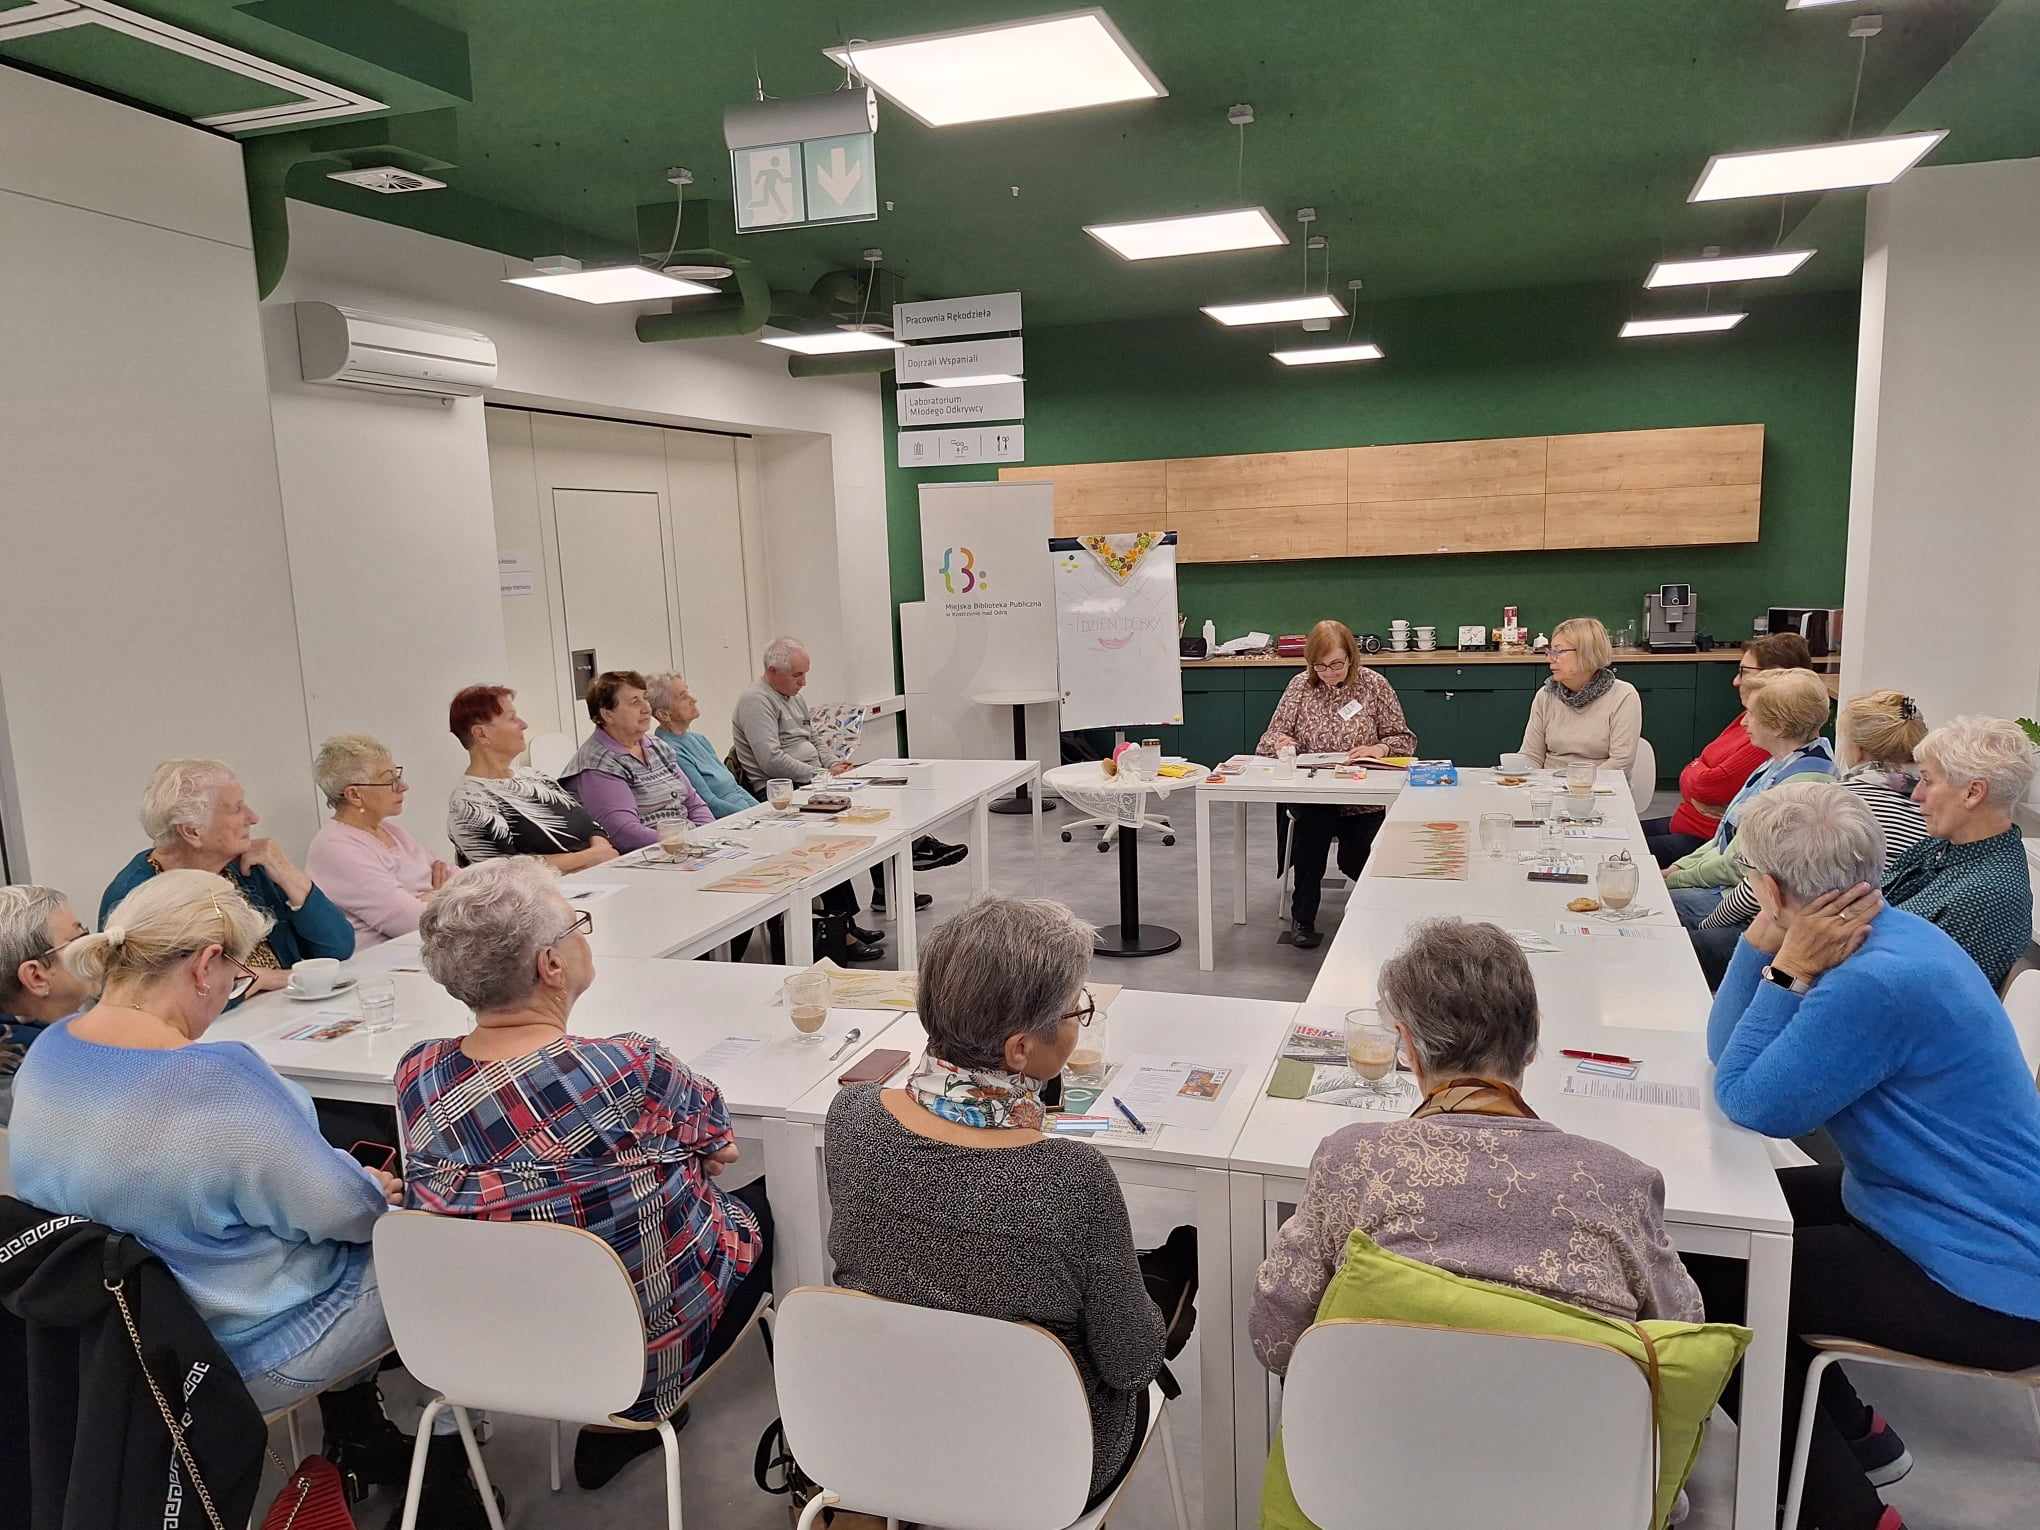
(1386, 659)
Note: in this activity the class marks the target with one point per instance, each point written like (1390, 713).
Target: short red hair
(473, 706)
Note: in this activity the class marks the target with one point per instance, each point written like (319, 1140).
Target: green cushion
(1694, 1359)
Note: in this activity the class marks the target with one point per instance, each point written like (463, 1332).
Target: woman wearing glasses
(1583, 712)
(1334, 707)
(521, 1120)
(366, 862)
(212, 1160)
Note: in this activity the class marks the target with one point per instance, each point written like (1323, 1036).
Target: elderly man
(1970, 876)
(775, 740)
(36, 989)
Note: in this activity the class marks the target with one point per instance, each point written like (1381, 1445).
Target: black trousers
(1312, 828)
(754, 1287)
(1850, 1283)
(1716, 949)
(1665, 846)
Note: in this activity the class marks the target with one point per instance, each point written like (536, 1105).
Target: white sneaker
(1681, 1507)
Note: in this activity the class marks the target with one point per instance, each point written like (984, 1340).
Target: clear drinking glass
(1370, 1049)
(1087, 1064)
(1579, 778)
(378, 998)
(807, 1003)
(1615, 881)
(780, 794)
(1285, 761)
(1496, 831)
(672, 831)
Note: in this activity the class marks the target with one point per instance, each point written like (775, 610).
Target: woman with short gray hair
(1865, 1020)
(521, 1121)
(365, 860)
(1473, 1181)
(36, 988)
(948, 1194)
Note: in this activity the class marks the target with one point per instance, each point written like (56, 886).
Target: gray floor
(1976, 1445)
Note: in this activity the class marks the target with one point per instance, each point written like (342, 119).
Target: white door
(612, 563)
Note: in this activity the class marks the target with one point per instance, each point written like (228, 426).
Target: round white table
(1019, 701)
(1120, 798)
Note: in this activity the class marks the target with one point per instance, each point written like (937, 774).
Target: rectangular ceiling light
(1816, 167)
(1056, 63)
(1726, 268)
(612, 284)
(1810, 5)
(1695, 324)
(1319, 305)
(1326, 355)
(835, 342)
(1243, 228)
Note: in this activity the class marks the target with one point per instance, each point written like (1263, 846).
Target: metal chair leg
(556, 1455)
(415, 1487)
(671, 1446)
(1809, 1405)
(481, 1472)
(1175, 1476)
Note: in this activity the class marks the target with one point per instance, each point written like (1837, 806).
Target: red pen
(1607, 1057)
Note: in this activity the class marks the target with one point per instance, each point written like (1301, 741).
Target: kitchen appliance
(1821, 626)
(1671, 617)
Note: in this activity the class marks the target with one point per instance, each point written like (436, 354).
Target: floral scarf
(977, 1096)
(1587, 694)
(1893, 778)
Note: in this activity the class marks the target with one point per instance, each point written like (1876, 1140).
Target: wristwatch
(1786, 981)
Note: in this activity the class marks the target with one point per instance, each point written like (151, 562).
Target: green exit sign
(804, 183)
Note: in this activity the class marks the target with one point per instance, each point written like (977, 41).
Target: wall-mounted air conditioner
(373, 350)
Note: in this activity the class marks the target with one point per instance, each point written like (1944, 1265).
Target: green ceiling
(1473, 146)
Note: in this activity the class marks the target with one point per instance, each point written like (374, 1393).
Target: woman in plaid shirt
(520, 1121)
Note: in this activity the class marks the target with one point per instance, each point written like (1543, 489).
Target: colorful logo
(959, 563)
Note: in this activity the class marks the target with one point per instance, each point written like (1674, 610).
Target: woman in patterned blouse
(503, 808)
(521, 1121)
(1334, 707)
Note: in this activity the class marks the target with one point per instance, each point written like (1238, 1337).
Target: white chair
(551, 753)
(2022, 1004)
(1376, 1417)
(1643, 775)
(1000, 1407)
(1828, 1351)
(457, 1290)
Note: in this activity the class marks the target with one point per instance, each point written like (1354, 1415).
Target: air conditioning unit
(373, 350)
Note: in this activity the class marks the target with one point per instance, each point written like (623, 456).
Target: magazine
(1313, 1066)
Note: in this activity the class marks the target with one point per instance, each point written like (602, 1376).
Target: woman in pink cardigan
(363, 860)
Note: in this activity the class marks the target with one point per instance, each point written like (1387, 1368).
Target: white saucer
(290, 991)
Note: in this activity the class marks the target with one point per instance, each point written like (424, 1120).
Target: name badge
(1350, 710)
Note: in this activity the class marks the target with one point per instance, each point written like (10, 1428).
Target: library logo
(960, 564)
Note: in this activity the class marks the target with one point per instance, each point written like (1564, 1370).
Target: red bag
(1291, 645)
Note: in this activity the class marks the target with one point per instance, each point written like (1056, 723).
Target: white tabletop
(1256, 784)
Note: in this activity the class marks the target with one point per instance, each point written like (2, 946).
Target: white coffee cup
(1516, 765)
(1400, 643)
(1426, 632)
(1398, 626)
(315, 975)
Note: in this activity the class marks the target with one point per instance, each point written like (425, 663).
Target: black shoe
(599, 1454)
(448, 1500)
(1881, 1453)
(921, 901)
(1307, 937)
(932, 854)
(861, 951)
(869, 937)
(368, 1449)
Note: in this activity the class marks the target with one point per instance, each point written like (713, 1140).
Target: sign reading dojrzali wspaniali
(959, 358)
(992, 313)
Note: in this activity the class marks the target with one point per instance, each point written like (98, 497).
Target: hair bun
(116, 935)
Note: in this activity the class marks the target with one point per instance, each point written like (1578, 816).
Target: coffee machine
(1671, 617)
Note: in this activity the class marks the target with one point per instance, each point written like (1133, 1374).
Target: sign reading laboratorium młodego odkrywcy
(957, 385)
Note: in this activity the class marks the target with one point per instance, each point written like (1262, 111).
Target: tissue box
(1433, 773)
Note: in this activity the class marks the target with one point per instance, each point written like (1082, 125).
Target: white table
(1123, 798)
(1243, 1034)
(1019, 701)
(940, 790)
(1377, 787)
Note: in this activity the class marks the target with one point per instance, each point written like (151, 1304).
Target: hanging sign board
(959, 358)
(948, 448)
(804, 160)
(990, 314)
(961, 406)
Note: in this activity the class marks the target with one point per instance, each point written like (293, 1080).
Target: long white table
(1377, 788)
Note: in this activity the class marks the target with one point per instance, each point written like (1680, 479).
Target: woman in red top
(1709, 783)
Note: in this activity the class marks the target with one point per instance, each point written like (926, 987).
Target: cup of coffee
(315, 975)
(1370, 1049)
(780, 794)
(807, 1002)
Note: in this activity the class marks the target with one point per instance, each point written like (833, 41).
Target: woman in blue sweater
(1841, 1013)
(676, 711)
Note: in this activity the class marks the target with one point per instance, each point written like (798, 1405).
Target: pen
(1130, 1116)
(1606, 1057)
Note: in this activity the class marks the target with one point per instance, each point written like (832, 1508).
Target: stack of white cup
(1399, 635)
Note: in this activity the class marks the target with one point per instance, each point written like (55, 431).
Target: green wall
(1495, 364)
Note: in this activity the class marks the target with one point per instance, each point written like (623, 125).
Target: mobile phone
(874, 1066)
(375, 1155)
(1052, 1094)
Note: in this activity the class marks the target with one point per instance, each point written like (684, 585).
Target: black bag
(776, 1472)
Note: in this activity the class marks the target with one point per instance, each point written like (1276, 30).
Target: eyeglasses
(1742, 866)
(584, 924)
(1563, 653)
(47, 952)
(396, 779)
(242, 985)
(1084, 1013)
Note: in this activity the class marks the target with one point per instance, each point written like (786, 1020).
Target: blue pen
(1130, 1116)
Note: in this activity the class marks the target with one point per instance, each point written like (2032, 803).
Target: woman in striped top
(1875, 737)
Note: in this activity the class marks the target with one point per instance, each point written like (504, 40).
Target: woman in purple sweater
(625, 775)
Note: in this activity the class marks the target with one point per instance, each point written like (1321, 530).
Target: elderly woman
(676, 712)
(1841, 1013)
(1712, 779)
(197, 818)
(627, 778)
(36, 989)
(1970, 876)
(215, 1163)
(520, 1120)
(503, 808)
(369, 866)
(1583, 712)
(1473, 1181)
(1336, 706)
(1785, 721)
(947, 1194)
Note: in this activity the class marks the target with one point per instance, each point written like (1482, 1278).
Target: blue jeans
(1693, 904)
(354, 1343)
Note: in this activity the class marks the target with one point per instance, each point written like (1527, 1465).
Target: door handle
(584, 671)
(1450, 694)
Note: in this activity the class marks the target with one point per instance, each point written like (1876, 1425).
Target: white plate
(292, 992)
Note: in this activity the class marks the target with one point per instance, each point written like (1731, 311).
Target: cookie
(1585, 905)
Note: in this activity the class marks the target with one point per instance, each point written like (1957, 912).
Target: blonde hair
(1882, 727)
(1324, 637)
(163, 921)
(180, 794)
(1590, 638)
(1986, 749)
(343, 760)
(1793, 704)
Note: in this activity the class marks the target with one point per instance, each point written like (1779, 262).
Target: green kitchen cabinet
(1666, 691)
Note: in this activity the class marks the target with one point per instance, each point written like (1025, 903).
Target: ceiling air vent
(387, 179)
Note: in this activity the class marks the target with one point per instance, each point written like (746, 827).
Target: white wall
(1943, 581)
(145, 589)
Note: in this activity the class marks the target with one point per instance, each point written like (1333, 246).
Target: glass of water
(1496, 830)
(378, 997)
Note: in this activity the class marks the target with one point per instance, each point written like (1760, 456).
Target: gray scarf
(1587, 694)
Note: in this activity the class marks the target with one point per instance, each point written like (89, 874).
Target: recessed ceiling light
(1242, 228)
(1809, 5)
(1695, 324)
(1319, 305)
(1816, 167)
(1726, 268)
(563, 276)
(1325, 355)
(1048, 64)
(835, 342)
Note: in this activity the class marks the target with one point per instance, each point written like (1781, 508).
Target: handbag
(313, 1497)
